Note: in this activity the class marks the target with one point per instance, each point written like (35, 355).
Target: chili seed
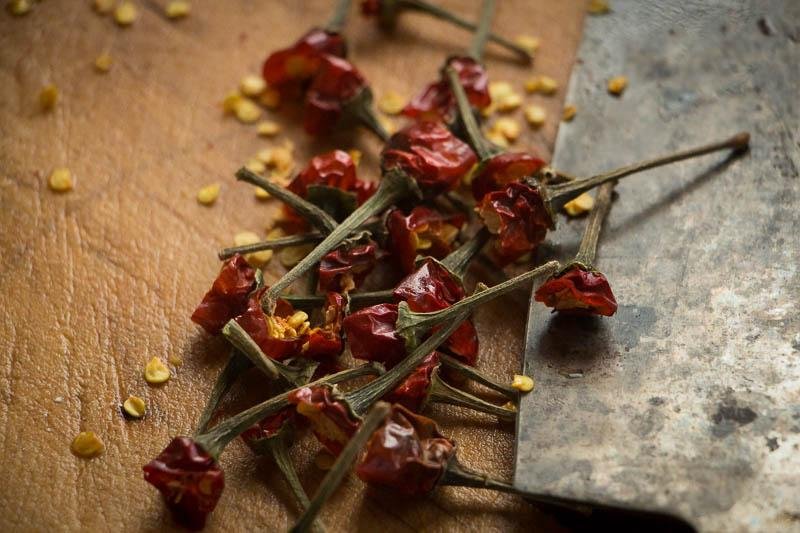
(535, 116)
(60, 180)
(261, 194)
(270, 98)
(134, 407)
(495, 137)
(156, 371)
(268, 128)
(391, 103)
(125, 14)
(256, 165)
(19, 7)
(579, 205)
(598, 7)
(208, 194)
(508, 128)
(252, 85)
(230, 101)
(87, 445)
(528, 42)
(103, 6)
(569, 113)
(522, 383)
(48, 97)
(247, 111)
(103, 63)
(177, 9)
(510, 406)
(255, 259)
(355, 155)
(617, 85)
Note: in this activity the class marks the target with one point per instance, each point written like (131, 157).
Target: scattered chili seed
(134, 407)
(252, 85)
(617, 85)
(535, 115)
(247, 111)
(261, 194)
(48, 97)
(510, 406)
(391, 103)
(270, 98)
(256, 165)
(156, 371)
(19, 7)
(268, 128)
(103, 6)
(580, 205)
(542, 85)
(103, 63)
(522, 383)
(281, 158)
(497, 138)
(528, 42)
(569, 113)
(508, 128)
(60, 180)
(388, 124)
(293, 254)
(355, 155)
(231, 101)
(208, 194)
(87, 445)
(598, 7)
(125, 14)
(255, 259)
(504, 98)
(177, 9)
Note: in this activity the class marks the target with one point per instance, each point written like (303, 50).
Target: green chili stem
(567, 191)
(394, 186)
(361, 108)
(459, 259)
(436, 11)
(482, 147)
(357, 299)
(215, 439)
(476, 376)
(313, 214)
(236, 365)
(482, 32)
(602, 205)
(441, 392)
(339, 18)
(411, 325)
(292, 240)
(280, 454)
(342, 465)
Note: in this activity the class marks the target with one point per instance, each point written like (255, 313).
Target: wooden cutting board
(97, 281)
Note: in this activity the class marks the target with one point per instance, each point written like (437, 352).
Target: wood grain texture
(97, 281)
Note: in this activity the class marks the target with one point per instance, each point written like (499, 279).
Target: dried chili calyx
(228, 295)
(189, 479)
(345, 268)
(387, 12)
(423, 231)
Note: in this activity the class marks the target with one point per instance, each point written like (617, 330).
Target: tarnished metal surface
(688, 399)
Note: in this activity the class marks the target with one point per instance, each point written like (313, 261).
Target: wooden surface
(97, 281)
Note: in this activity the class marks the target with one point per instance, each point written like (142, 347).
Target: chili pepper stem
(602, 205)
(313, 214)
(361, 108)
(471, 373)
(459, 259)
(292, 240)
(339, 18)
(441, 392)
(566, 191)
(279, 450)
(412, 325)
(214, 440)
(443, 14)
(482, 31)
(357, 299)
(482, 147)
(394, 186)
(342, 465)
(235, 366)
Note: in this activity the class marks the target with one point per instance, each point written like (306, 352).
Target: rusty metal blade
(688, 400)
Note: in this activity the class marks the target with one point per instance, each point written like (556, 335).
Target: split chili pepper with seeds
(423, 230)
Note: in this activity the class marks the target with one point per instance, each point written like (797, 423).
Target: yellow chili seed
(500, 89)
(528, 42)
(268, 128)
(535, 116)
(87, 445)
(208, 194)
(134, 407)
(103, 62)
(256, 165)
(156, 371)
(510, 406)
(579, 205)
(19, 7)
(504, 98)
(177, 9)
(522, 383)
(388, 124)
(247, 111)
(60, 180)
(48, 97)
(103, 6)
(355, 155)
(297, 319)
(270, 98)
(391, 103)
(508, 128)
(281, 158)
(542, 85)
(569, 113)
(261, 194)
(255, 259)
(125, 14)
(252, 85)
(231, 101)
(598, 7)
(617, 85)
(497, 138)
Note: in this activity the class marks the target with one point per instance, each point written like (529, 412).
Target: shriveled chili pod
(228, 296)
(579, 288)
(346, 267)
(187, 472)
(423, 231)
(387, 11)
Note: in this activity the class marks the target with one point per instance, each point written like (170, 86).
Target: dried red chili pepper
(345, 268)
(332, 420)
(431, 154)
(422, 230)
(407, 454)
(324, 343)
(268, 427)
(334, 169)
(502, 169)
(228, 295)
(271, 334)
(372, 335)
(189, 479)
(335, 85)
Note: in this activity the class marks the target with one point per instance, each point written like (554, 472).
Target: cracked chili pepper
(274, 334)
(228, 296)
(324, 343)
(346, 267)
(387, 11)
(423, 230)
(502, 169)
(289, 70)
(579, 288)
(187, 471)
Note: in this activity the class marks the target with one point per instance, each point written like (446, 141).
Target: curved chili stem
(214, 440)
(459, 259)
(441, 392)
(279, 450)
(357, 299)
(602, 205)
(566, 191)
(471, 373)
(361, 108)
(482, 147)
(481, 34)
(334, 477)
(316, 216)
(438, 12)
(274, 244)
(339, 18)
(394, 186)
(411, 325)
(236, 365)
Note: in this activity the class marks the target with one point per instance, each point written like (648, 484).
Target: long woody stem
(280, 454)
(236, 365)
(357, 299)
(602, 205)
(339, 18)
(469, 372)
(567, 191)
(441, 392)
(482, 32)
(482, 147)
(459, 259)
